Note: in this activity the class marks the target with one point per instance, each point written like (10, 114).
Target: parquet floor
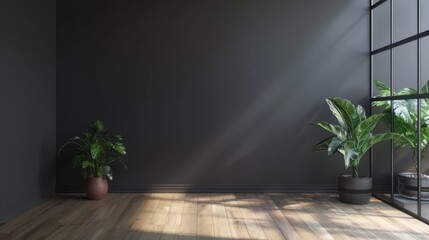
(157, 216)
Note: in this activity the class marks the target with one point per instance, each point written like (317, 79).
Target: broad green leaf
(365, 127)
(425, 88)
(344, 111)
(323, 145)
(406, 109)
(98, 127)
(361, 112)
(78, 159)
(87, 135)
(334, 145)
(384, 104)
(334, 129)
(119, 148)
(96, 150)
(107, 169)
(86, 164)
(407, 91)
(350, 156)
(70, 140)
(381, 86)
(378, 138)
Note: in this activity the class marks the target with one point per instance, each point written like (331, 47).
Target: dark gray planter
(354, 190)
(407, 185)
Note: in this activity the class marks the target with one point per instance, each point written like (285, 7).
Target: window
(399, 73)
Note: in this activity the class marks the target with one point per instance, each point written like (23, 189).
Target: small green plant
(405, 118)
(353, 136)
(96, 150)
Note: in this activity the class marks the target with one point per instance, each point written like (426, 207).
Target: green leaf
(119, 148)
(378, 138)
(361, 112)
(406, 109)
(351, 155)
(86, 164)
(365, 127)
(381, 86)
(72, 139)
(96, 150)
(407, 91)
(78, 159)
(323, 145)
(384, 104)
(425, 88)
(335, 129)
(107, 169)
(107, 172)
(344, 111)
(87, 135)
(98, 127)
(68, 141)
(334, 145)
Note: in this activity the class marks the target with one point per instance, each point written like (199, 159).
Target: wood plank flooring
(162, 216)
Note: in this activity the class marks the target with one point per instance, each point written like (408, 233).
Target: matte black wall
(27, 103)
(212, 94)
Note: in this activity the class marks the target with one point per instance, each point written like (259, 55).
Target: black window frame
(390, 47)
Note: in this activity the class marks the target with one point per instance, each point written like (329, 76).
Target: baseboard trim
(181, 188)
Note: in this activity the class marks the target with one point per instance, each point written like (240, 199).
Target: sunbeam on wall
(211, 93)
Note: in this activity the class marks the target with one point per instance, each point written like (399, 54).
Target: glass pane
(405, 68)
(381, 25)
(381, 161)
(381, 70)
(425, 162)
(424, 57)
(424, 20)
(405, 183)
(404, 19)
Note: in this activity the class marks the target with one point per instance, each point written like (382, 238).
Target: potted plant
(406, 123)
(95, 151)
(352, 138)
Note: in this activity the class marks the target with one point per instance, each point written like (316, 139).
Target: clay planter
(96, 188)
(354, 190)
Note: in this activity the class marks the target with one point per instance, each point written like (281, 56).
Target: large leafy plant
(405, 116)
(352, 137)
(96, 150)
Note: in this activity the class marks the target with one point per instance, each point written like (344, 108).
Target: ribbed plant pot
(96, 188)
(354, 190)
(407, 185)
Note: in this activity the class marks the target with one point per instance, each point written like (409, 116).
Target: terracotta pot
(96, 188)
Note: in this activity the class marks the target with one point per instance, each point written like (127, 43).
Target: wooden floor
(212, 216)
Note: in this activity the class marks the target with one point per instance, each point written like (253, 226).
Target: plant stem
(356, 172)
(415, 153)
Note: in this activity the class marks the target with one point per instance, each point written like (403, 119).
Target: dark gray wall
(27, 103)
(211, 95)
